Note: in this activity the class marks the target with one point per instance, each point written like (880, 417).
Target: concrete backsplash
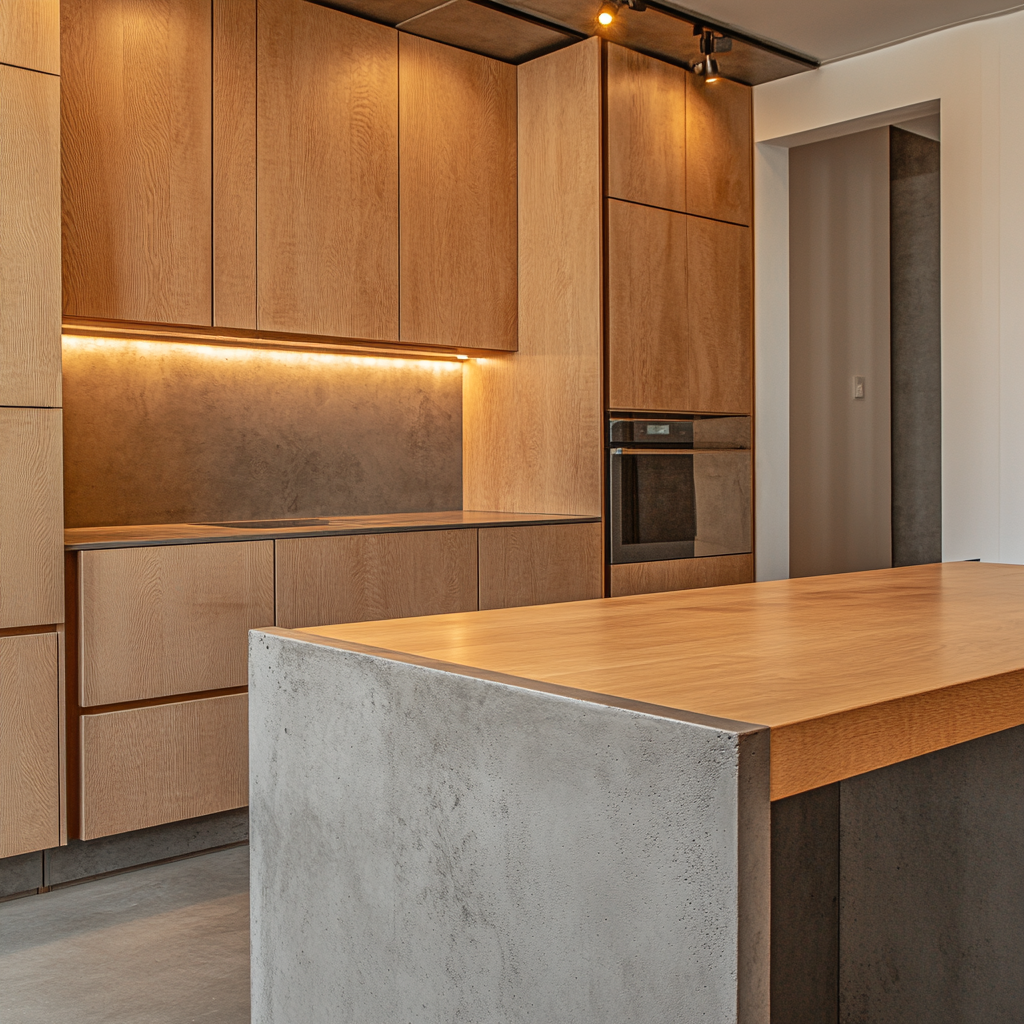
(158, 432)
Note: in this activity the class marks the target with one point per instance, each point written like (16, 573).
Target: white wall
(977, 75)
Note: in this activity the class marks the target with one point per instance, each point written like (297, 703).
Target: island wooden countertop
(850, 672)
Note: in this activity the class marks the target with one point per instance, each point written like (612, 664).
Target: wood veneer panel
(645, 118)
(30, 34)
(234, 163)
(718, 150)
(29, 238)
(851, 672)
(375, 576)
(648, 317)
(169, 620)
(532, 422)
(541, 564)
(31, 518)
(327, 159)
(147, 766)
(457, 149)
(29, 758)
(720, 291)
(681, 574)
(136, 161)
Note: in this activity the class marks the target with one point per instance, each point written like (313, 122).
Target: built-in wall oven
(678, 486)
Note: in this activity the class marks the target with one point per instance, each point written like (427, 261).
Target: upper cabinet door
(458, 189)
(718, 150)
(327, 164)
(30, 34)
(136, 159)
(645, 103)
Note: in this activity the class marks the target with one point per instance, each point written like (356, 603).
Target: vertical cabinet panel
(30, 34)
(327, 226)
(146, 766)
(720, 289)
(29, 767)
(458, 196)
(135, 130)
(645, 123)
(31, 518)
(323, 580)
(30, 306)
(648, 323)
(541, 564)
(168, 620)
(234, 163)
(718, 150)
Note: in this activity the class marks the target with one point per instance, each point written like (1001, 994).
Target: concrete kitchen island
(794, 801)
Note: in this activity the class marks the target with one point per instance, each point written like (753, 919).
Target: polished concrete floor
(163, 945)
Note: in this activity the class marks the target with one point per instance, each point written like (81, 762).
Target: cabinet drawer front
(326, 580)
(681, 574)
(29, 770)
(147, 766)
(160, 621)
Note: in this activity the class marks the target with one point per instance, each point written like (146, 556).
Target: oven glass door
(678, 504)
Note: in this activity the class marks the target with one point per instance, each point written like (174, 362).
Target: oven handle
(675, 451)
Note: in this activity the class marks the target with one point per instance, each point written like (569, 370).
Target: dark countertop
(89, 538)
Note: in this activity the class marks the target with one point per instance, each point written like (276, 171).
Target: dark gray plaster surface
(21, 874)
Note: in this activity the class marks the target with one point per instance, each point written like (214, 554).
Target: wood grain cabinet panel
(30, 303)
(375, 576)
(169, 620)
(645, 125)
(29, 766)
(136, 159)
(30, 35)
(648, 322)
(146, 766)
(327, 160)
(541, 564)
(31, 518)
(681, 574)
(720, 300)
(718, 150)
(457, 145)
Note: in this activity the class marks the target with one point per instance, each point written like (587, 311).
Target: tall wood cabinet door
(136, 159)
(31, 518)
(721, 308)
(29, 768)
(645, 129)
(168, 620)
(718, 150)
(327, 161)
(30, 35)
(522, 565)
(326, 580)
(648, 322)
(30, 304)
(457, 147)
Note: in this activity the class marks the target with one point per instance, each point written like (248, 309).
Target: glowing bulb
(606, 15)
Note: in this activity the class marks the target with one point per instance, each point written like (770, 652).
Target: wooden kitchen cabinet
(541, 564)
(145, 766)
(30, 35)
(136, 160)
(158, 621)
(29, 729)
(680, 574)
(457, 146)
(326, 580)
(327, 163)
(31, 518)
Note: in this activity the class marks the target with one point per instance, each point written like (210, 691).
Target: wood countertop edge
(555, 689)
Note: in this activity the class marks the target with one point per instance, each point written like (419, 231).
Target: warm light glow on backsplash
(233, 353)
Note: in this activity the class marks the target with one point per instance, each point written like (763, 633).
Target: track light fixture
(606, 15)
(710, 44)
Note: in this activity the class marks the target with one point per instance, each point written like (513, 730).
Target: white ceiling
(831, 29)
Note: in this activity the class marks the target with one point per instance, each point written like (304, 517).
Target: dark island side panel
(163, 433)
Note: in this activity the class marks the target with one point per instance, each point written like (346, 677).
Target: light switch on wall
(858, 387)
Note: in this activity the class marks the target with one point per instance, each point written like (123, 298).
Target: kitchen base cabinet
(29, 766)
(375, 576)
(150, 765)
(540, 565)
(681, 574)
